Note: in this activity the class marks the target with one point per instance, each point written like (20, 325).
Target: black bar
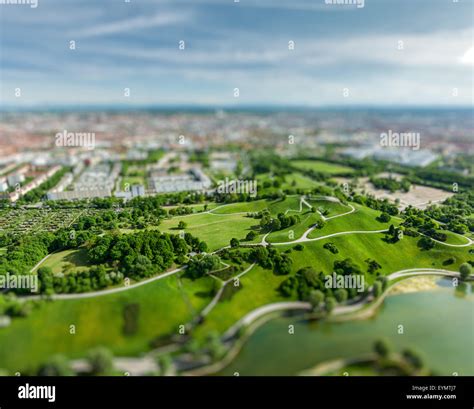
(243, 392)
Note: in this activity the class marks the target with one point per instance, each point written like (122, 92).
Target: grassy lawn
(275, 206)
(215, 230)
(454, 238)
(360, 247)
(333, 208)
(363, 219)
(290, 205)
(308, 219)
(323, 167)
(196, 207)
(242, 207)
(295, 180)
(258, 287)
(67, 261)
(163, 306)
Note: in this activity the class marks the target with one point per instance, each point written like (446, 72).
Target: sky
(386, 53)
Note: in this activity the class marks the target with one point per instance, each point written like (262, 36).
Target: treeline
(455, 212)
(281, 222)
(417, 219)
(391, 184)
(377, 204)
(24, 252)
(93, 279)
(143, 254)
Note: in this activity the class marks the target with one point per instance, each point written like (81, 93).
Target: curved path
(338, 310)
(103, 292)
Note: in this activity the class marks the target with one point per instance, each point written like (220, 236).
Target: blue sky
(237, 45)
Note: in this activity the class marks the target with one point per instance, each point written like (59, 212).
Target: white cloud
(468, 57)
(136, 23)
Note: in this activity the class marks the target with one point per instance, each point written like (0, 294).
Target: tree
(202, 264)
(330, 304)
(331, 247)
(465, 269)
(381, 348)
(377, 288)
(341, 294)
(182, 225)
(426, 243)
(316, 297)
(56, 366)
(101, 361)
(384, 217)
(164, 363)
(202, 247)
(413, 358)
(250, 235)
(234, 243)
(142, 267)
(215, 345)
(373, 266)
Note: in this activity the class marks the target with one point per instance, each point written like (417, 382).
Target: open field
(363, 219)
(162, 306)
(215, 230)
(196, 207)
(360, 247)
(67, 261)
(323, 167)
(242, 207)
(332, 208)
(295, 180)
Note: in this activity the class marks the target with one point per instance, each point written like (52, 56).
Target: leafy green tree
(465, 269)
(234, 243)
(384, 217)
(215, 345)
(182, 225)
(251, 235)
(413, 358)
(100, 360)
(341, 295)
(330, 304)
(381, 348)
(316, 297)
(373, 266)
(202, 264)
(164, 363)
(426, 243)
(56, 366)
(377, 288)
